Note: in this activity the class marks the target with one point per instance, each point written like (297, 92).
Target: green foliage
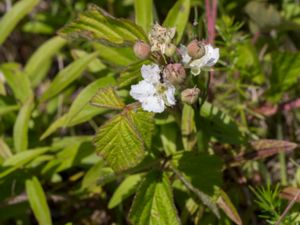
(153, 203)
(38, 201)
(144, 14)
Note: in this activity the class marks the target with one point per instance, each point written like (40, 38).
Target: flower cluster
(169, 69)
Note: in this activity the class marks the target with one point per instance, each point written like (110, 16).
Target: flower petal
(142, 90)
(151, 73)
(184, 55)
(170, 95)
(195, 71)
(153, 104)
(212, 55)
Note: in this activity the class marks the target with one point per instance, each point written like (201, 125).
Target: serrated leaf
(9, 21)
(169, 137)
(144, 123)
(67, 76)
(178, 17)
(41, 57)
(226, 205)
(38, 201)
(144, 13)
(86, 94)
(218, 125)
(124, 190)
(107, 98)
(203, 171)
(17, 80)
(118, 142)
(131, 74)
(20, 132)
(96, 25)
(153, 203)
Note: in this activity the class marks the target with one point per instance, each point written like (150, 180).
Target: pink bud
(190, 95)
(196, 49)
(175, 73)
(141, 50)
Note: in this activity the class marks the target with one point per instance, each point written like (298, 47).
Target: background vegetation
(247, 131)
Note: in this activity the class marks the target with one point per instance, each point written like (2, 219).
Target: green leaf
(226, 205)
(107, 98)
(115, 56)
(4, 109)
(67, 76)
(5, 151)
(131, 74)
(20, 133)
(94, 66)
(144, 14)
(178, 17)
(153, 203)
(38, 201)
(124, 190)
(17, 80)
(16, 161)
(86, 114)
(9, 21)
(144, 123)
(285, 74)
(118, 142)
(42, 56)
(169, 136)
(86, 94)
(96, 25)
(203, 171)
(219, 126)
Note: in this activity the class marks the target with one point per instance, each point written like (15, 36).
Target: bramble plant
(183, 116)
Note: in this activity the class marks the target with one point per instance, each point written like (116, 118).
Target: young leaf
(20, 132)
(9, 21)
(144, 14)
(8, 108)
(86, 94)
(226, 205)
(124, 190)
(67, 76)
(41, 57)
(118, 142)
(96, 25)
(153, 203)
(38, 201)
(178, 17)
(17, 80)
(203, 171)
(107, 98)
(5, 151)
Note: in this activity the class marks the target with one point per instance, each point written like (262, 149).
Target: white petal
(142, 90)
(170, 95)
(153, 104)
(212, 55)
(185, 57)
(151, 73)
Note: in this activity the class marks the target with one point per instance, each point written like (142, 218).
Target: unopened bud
(170, 49)
(196, 49)
(175, 73)
(190, 95)
(141, 50)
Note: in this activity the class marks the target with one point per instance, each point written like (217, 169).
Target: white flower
(151, 92)
(160, 38)
(209, 59)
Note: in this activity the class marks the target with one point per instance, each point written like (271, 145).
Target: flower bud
(174, 73)
(190, 95)
(196, 49)
(141, 50)
(170, 49)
